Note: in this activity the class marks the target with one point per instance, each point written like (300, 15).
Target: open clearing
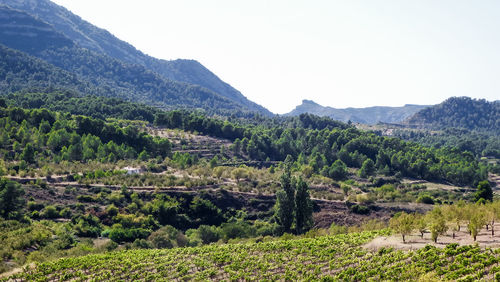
(414, 241)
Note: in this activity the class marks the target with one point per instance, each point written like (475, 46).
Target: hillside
(369, 115)
(87, 105)
(102, 42)
(461, 112)
(108, 76)
(19, 71)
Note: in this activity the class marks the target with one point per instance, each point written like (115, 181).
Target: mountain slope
(19, 71)
(463, 112)
(369, 115)
(101, 41)
(112, 77)
(19, 31)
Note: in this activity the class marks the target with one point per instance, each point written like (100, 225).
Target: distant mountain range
(369, 115)
(49, 32)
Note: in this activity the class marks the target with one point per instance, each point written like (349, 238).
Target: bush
(425, 199)
(208, 234)
(49, 212)
(65, 213)
(141, 244)
(34, 206)
(85, 198)
(111, 245)
(166, 237)
(120, 235)
(359, 209)
(232, 230)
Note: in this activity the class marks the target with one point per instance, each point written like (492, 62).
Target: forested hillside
(108, 76)
(481, 144)
(104, 43)
(312, 141)
(87, 105)
(461, 112)
(20, 71)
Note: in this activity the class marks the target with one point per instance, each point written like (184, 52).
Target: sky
(351, 53)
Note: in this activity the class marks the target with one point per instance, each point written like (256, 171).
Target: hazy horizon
(337, 54)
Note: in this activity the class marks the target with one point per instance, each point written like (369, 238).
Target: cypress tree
(303, 207)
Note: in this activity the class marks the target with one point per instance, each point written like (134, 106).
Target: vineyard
(339, 257)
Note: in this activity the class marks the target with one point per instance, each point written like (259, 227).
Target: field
(329, 258)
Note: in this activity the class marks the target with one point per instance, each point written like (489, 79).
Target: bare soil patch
(414, 241)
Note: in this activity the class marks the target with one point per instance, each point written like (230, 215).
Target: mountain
(101, 41)
(20, 71)
(369, 115)
(100, 74)
(461, 112)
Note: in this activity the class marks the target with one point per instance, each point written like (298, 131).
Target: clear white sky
(349, 53)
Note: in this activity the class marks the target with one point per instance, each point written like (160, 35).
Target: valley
(118, 166)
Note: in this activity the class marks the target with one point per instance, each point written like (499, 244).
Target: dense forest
(461, 112)
(36, 136)
(321, 146)
(20, 71)
(308, 140)
(481, 144)
(87, 105)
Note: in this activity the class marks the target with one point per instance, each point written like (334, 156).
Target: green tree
(421, 224)
(239, 173)
(484, 191)
(476, 222)
(28, 154)
(303, 207)
(367, 169)
(338, 170)
(11, 200)
(437, 224)
(403, 224)
(143, 156)
(285, 204)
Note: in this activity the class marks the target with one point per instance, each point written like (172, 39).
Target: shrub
(425, 199)
(359, 209)
(120, 235)
(208, 234)
(49, 212)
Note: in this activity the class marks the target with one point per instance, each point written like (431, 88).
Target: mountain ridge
(102, 41)
(106, 75)
(367, 115)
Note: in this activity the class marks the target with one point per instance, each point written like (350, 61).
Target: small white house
(132, 170)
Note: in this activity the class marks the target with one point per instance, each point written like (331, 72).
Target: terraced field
(329, 258)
